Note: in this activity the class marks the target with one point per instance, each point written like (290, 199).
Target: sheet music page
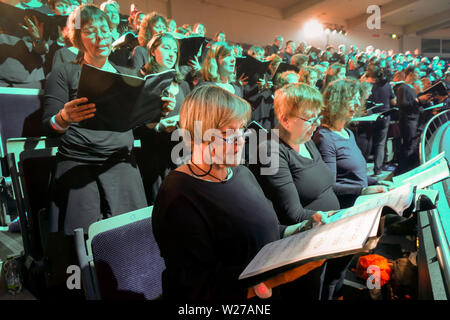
(340, 236)
(398, 199)
(372, 117)
(420, 169)
(427, 176)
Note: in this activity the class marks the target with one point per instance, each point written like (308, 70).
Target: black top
(208, 233)
(80, 143)
(382, 93)
(139, 57)
(406, 100)
(345, 160)
(237, 88)
(300, 186)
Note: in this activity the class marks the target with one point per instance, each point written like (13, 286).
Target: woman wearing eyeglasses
(211, 217)
(156, 144)
(294, 177)
(337, 144)
(96, 176)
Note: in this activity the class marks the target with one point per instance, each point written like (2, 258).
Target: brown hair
(305, 73)
(152, 66)
(146, 28)
(78, 19)
(331, 73)
(337, 97)
(210, 68)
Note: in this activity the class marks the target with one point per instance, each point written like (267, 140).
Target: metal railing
(434, 140)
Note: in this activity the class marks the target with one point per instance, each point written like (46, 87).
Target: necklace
(206, 173)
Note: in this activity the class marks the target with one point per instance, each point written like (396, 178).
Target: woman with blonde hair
(337, 144)
(211, 217)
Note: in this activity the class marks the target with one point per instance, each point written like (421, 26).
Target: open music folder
(428, 173)
(375, 116)
(349, 231)
(123, 102)
(11, 17)
(189, 48)
(252, 68)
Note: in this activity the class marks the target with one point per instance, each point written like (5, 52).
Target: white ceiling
(412, 15)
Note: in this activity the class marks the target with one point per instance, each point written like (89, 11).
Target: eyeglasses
(316, 121)
(230, 139)
(91, 33)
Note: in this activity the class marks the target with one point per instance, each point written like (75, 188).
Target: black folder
(11, 18)
(252, 68)
(189, 48)
(123, 102)
(437, 89)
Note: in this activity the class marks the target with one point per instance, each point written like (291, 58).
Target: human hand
(169, 104)
(386, 183)
(77, 110)
(34, 28)
(261, 83)
(195, 65)
(243, 79)
(168, 125)
(373, 190)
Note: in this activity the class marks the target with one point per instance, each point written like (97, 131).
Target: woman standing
(382, 94)
(156, 144)
(219, 68)
(96, 175)
(151, 25)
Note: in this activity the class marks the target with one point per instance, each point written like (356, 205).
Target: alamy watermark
(374, 279)
(374, 21)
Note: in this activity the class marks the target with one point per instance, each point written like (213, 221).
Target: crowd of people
(211, 215)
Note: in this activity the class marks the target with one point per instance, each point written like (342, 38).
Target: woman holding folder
(156, 144)
(96, 176)
(211, 217)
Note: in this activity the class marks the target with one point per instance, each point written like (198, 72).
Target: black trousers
(409, 152)
(380, 133)
(83, 193)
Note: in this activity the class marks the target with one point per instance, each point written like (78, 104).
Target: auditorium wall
(251, 23)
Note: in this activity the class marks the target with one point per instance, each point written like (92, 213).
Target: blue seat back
(127, 262)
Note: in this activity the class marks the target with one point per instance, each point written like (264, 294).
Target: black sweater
(298, 186)
(79, 143)
(208, 232)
